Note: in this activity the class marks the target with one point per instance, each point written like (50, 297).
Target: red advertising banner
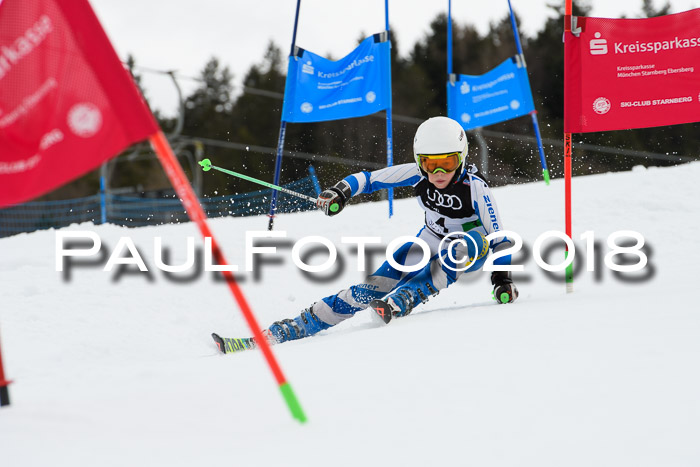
(66, 102)
(632, 73)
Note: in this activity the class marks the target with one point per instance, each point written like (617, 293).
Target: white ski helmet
(440, 135)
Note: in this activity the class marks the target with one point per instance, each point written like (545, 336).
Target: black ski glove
(504, 291)
(332, 200)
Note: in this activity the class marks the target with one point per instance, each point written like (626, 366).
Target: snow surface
(117, 370)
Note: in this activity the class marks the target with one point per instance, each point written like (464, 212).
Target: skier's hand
(504, 291)
(332, 200)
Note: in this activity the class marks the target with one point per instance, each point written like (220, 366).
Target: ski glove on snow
(332, 200)
(504, 291)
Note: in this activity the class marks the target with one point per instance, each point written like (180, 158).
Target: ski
(382, 309)
(231, 345)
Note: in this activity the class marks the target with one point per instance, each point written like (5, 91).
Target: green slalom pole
(207, 166)
(292, 402)
(569, 275)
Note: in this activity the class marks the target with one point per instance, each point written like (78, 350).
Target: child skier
(455, 198)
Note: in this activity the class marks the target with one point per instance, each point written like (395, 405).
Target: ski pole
(207, 166)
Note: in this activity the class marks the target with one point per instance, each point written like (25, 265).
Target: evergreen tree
(208, 108)
(649, 11)
(208, 114)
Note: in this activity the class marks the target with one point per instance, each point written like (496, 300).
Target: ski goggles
(434, 163)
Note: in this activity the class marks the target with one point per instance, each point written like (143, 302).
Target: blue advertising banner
(319, 89)
(501, 94)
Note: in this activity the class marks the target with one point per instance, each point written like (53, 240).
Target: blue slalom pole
(536, 125)
(103, 202)
(449, 37)
(533, 114)
(283, 130)
(314, 180)
(449, 52)
(516, 33)
(278, 170)
(389, 130)
(103, 198)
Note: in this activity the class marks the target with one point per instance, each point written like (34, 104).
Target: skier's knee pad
(463, 250)
(477, 245)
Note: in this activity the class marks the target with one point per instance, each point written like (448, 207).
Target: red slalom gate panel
(66, 102)
(632, 73)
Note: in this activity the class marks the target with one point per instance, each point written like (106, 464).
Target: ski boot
(402, 301)
(304, 325)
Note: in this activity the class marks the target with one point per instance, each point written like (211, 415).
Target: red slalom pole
(567, 164)
(196, 213)
(4, 391)
(567, 202)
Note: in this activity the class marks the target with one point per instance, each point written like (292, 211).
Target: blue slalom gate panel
(318, 89)
(498, 95)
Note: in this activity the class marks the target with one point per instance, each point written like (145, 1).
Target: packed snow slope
(117, 369)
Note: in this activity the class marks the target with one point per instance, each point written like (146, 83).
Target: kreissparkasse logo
(598, 46)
